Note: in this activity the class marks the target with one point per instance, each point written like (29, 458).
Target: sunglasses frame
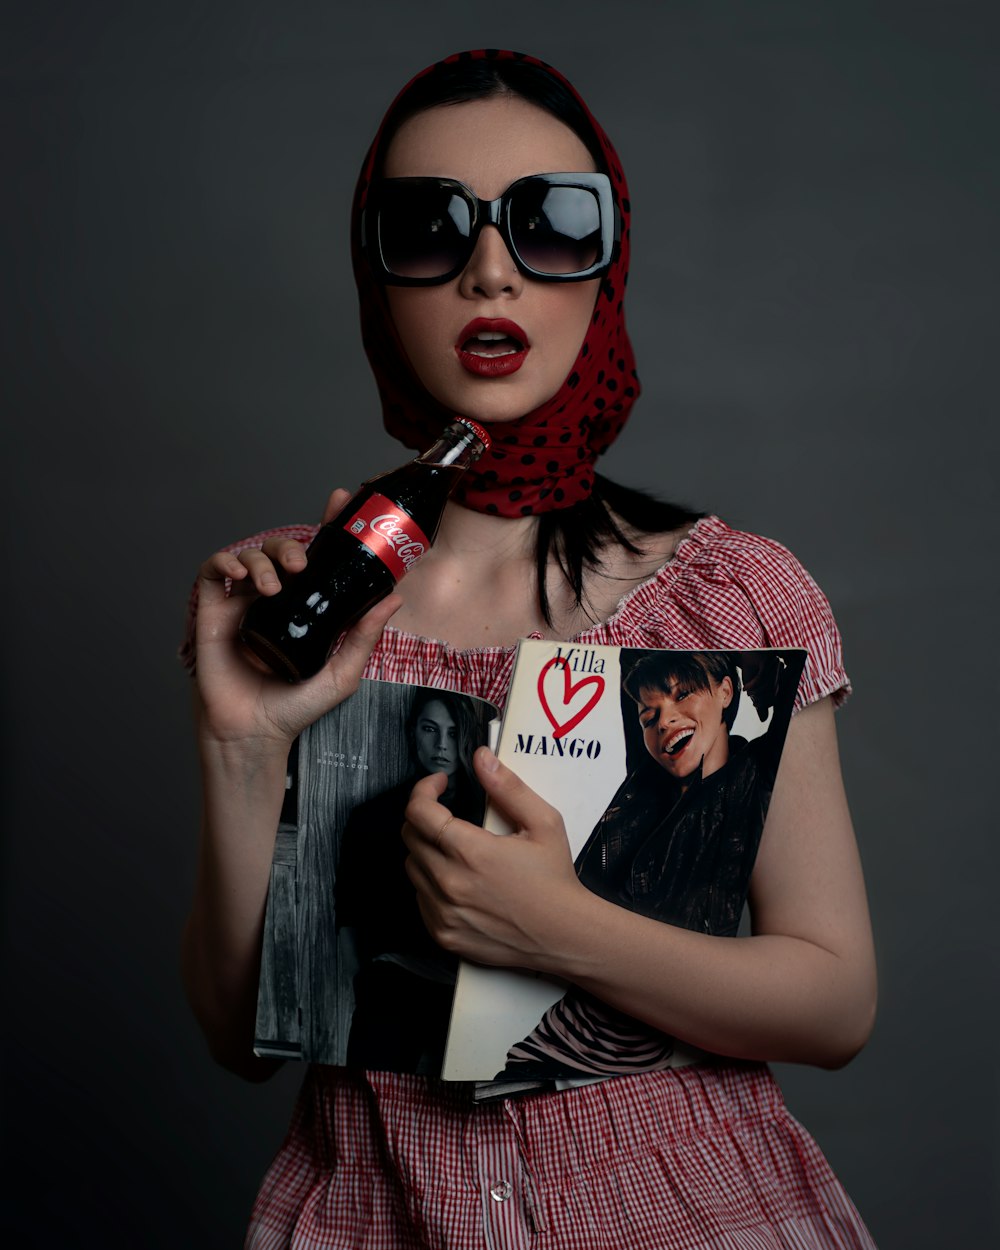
(494, 213)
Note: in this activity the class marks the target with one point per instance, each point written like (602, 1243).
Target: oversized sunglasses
(557, 227)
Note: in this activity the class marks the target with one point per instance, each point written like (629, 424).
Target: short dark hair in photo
(694, 670)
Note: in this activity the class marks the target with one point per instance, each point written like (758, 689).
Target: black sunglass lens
(423, 232)
(556, 230)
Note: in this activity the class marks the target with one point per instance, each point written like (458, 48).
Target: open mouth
(492, 343)
(678, 742)
(492, 338)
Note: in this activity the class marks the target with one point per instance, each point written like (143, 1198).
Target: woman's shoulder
(725, 588)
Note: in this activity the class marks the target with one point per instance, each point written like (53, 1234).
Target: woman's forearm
(801, 989)
(246, 722)
(242, 795)
(767, 997)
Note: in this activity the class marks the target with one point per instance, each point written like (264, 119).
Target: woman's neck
(478, 585)
(464, 533)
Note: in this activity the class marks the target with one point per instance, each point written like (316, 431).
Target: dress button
(501, 1191)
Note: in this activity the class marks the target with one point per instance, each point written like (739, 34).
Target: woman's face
(683, 728)
(436, 739)
(488, 144)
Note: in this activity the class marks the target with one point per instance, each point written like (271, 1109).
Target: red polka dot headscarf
(544, 460)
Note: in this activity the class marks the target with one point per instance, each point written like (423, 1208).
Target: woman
(404, 983)
(677, 842)
(532, 341)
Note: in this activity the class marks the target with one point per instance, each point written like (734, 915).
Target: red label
(390, 533)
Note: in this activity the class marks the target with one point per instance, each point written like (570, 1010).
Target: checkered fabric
(699, 1158)
(722, 590)
(704, 1157)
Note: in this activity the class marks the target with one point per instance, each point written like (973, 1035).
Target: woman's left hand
(507, 901)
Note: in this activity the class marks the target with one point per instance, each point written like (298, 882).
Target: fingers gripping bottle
(357, 558)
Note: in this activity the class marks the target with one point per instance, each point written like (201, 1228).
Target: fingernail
(489, 760)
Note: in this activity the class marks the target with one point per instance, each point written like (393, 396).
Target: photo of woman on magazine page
(404, 983)
(679, 839)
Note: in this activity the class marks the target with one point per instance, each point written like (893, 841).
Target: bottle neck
(459, 445)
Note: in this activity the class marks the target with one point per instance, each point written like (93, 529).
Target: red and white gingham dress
(705, 1156)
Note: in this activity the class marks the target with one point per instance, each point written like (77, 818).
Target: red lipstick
(492, 347)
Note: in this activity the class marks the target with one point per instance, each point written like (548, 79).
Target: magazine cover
(349, 974)
(662, 765)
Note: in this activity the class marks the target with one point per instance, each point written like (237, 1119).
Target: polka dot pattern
(534, 467)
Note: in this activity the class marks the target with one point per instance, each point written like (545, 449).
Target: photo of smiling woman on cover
(491, 244)
(678, 840)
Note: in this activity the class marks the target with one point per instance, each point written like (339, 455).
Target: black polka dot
(538, 440)
(552, 466)
(630, 391)
(612, 384)
(529, 459)
(526, 509)
(600, 375)
(491, 507)
(515, 495)
(564, 438)
(573, 380)
(598, 403)
(559, 494)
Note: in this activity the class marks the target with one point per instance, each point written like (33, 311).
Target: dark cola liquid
(294, 631)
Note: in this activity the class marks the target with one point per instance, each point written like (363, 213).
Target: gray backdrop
(812, 289)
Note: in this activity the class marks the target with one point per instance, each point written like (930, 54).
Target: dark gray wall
(813, 285)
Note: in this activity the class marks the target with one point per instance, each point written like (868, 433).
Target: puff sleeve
(726, 589)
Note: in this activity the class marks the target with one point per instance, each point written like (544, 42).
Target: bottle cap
(478, 430)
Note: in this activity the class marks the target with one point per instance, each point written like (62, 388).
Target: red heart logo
(570, 690)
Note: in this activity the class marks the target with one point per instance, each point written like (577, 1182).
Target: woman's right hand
(240, 704)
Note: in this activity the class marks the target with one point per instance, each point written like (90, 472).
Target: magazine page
(662, 765)
(349, 974)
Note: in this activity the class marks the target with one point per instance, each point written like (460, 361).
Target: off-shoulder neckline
(679, 556)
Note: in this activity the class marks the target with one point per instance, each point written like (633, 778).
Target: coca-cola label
(389, 533)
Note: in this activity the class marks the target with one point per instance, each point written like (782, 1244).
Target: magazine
(661, 764)
(349, 974)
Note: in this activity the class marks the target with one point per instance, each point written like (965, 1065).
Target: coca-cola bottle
(357, 558)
